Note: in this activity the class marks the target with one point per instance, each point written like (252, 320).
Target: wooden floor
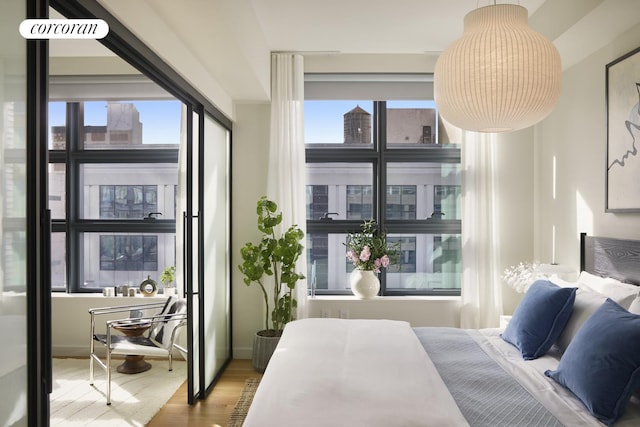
(215, 410)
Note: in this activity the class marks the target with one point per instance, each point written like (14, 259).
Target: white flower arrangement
(521, 276)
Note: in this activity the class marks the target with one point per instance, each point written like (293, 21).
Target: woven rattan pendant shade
(500, 75)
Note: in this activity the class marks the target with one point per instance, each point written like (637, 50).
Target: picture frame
(622, 192)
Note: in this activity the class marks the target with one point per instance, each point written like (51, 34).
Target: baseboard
(242, 352)
(70, 351)
(80, 351)
(83, 352)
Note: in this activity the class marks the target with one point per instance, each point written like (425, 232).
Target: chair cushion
(161, 331)
(132, 345)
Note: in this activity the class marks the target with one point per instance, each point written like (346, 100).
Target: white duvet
(369, 373)
(332, 372)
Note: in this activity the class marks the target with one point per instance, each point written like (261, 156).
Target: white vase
(364, 283)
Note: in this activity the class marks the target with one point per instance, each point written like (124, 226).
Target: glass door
(25, 374)
(216, 332)
(207, 257)
(13, 217)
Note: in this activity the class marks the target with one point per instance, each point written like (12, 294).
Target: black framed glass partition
(162, 175)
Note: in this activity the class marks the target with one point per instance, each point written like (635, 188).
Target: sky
(160, 119)
(324, 120)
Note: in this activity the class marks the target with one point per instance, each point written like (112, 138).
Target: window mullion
(380, 200)
(74, 126)
(379, 120)
(126, 156)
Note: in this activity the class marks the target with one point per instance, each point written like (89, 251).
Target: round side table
(133, 363)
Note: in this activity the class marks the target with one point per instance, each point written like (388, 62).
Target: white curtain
(287, 176)
(481, 293)
(181, 200)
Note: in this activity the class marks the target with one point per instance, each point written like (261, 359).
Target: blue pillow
(601, 366)
(539, 318)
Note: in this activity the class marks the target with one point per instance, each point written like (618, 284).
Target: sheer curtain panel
(287, 172)
(481, 294)
(181, 201)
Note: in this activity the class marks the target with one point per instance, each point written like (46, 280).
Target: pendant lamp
(500, 75)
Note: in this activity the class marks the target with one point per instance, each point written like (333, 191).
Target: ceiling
(365, 26)
(224, 46)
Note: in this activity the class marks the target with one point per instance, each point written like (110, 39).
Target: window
(388, 161)
(407, 254)
(317, 201)
(112, 163)
(128, 253)
(445, 201)
(401, 202)
(359, 202)
(127, 201)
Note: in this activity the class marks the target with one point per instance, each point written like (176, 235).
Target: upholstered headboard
(610, 257)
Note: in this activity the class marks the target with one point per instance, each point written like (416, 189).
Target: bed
(569, 357)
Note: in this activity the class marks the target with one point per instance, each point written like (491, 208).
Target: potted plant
(167, 278)
(369, 253)
(272, 261)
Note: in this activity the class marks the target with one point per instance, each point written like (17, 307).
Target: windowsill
(97, 295)
(418, 310)
(386, 298)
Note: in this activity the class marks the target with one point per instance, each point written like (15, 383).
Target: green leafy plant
(274, 256)
(168, 276)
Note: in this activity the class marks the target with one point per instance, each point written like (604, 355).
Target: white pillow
(622, 293)
(635, 306)
(587, 301)
(556, 280)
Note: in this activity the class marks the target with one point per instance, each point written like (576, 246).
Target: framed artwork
(623, 134)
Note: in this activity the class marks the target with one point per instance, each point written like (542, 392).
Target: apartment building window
(113, 175)
(406, 262)
(448, 253)
(128, 253)
(401, 202)
(317, 201)
(359, 202)
(445, 200)
(127, 201)
(390, 159)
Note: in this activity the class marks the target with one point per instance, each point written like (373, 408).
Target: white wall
(514, 189)
(249, 172)
(418, 311)
(575, 135)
